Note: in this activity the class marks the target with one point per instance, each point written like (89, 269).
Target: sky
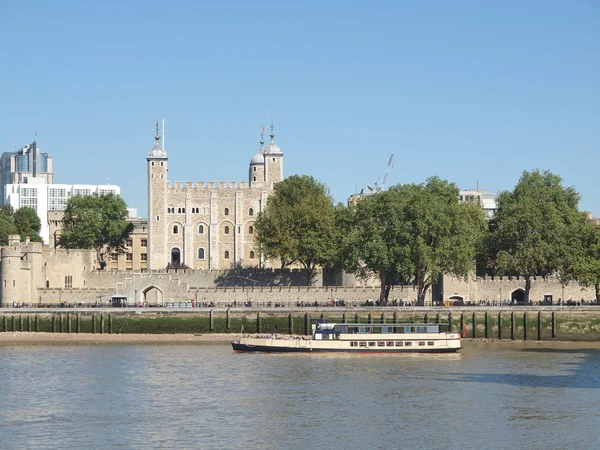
(473, 92)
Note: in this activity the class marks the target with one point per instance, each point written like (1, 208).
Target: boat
(359, 338)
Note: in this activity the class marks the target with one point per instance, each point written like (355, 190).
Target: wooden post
(101, 323)
(12, 319)
(356, 318)
(69, 323)
(4, 324)
(211, 321)
(425, 318)
(20, 322)
(395, 316)
(370, 318)
(539, 325)
(486, 325)
(553, 324)
(53, 323)
(227, 320)
(93, 323)
(29, 322)
(37, 323)
(60, 323)
(382, 317)
(437, 317)
(291, 323)
(450, 322)
(78, 323)
(258, 322)
(512, 325)
(474, 325)
(525, 326)
(344, 318)
(500, 325)
(110, 320)
(462, 324)
(306, 324)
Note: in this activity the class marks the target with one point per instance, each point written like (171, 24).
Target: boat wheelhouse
(359, 338)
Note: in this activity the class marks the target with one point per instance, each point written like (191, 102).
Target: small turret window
(251, 255)
(175, 229)
(226, 230)
(201, 229)
(162, 163)
(200, 253)
(226, 211)
(254, 168)
(254, 179)
(226, 254)
(251, 212)
(152, 162)
(251, 230)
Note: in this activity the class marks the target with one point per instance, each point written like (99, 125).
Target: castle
(210, 226)
(195, 234)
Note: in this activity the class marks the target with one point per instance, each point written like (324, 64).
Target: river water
(490, 395)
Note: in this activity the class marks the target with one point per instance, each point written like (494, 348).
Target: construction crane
(385, 177)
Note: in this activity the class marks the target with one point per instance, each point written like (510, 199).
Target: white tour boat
(359, 338)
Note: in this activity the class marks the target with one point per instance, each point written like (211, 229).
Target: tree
(414, 234)
(586, 268)
(96, 222)
(538, 228)
(297, 225)
(24, 222)
(28, 223)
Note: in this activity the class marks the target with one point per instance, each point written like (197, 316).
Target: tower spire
(272, 130)
(157, 137)
(262, 138)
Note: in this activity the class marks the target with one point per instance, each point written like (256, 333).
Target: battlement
(210, 185)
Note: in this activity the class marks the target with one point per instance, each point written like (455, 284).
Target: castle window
(250, 230)
(129, 257)
(175, 229)
(200, 253)
(179, 210)
(161, 175)
(273, 159)
(157, 218)
(251, 255)
(113, 256)
(152, 162)
(144, 242)
(254, 168)
(226, 229)
(201, 229)
(144, 256)
(226, 211)
(13, 283)
(226, 254)
(183, 210)
(129, 242)
(254, 179)
(250, 212)
(162, 163)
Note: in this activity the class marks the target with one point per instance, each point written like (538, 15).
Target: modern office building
(45, 198)
(25, 165)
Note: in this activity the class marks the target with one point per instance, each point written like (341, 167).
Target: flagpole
(163, 133)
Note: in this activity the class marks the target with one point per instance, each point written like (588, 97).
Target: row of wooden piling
(72, 324)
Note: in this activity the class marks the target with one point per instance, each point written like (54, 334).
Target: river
(490, 395)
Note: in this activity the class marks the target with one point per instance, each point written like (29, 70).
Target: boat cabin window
(389, 344)
(363, 344)
(430, 343)
(352, 330)
(372, 344)
(353, 344)
(408, 344)
(399, 343)
(381, 344)
(421, 344)
(376, 330)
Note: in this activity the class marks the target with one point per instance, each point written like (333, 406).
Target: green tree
(96, 222)
(538, 228)
(7, 227)
(586, 268)
(298, 225)
(28, 223)
(414, 234)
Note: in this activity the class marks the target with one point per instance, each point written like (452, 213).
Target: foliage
(586, 268)
(298, 225)
(24, 222)
(96, 222)
(537, 228)
(414, 234)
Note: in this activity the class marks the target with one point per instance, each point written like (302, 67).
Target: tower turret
(273, 160)
(256, 175)
(157, 253)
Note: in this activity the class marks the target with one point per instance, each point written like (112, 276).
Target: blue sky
(466, 90)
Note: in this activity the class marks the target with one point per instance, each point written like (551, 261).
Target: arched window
(200, 253)
(226, 254)
(251, 255)
(253, 168)
(254, 179)
(250, 229)
(179, 210)
(201, 229)
(226, 229)
(226, 211)
(175, 229)
(251, 212)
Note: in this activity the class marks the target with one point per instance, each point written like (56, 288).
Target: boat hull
(244, 348)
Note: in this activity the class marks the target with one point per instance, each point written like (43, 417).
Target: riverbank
(26, 338)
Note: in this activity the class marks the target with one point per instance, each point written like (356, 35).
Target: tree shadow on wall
(260, 277)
